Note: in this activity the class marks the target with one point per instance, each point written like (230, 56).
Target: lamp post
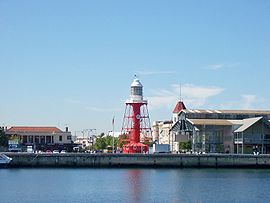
(113, 134)
(113, 142)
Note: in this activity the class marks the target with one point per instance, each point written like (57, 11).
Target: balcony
(238, 141)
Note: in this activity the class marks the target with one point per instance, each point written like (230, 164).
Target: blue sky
(72, 62)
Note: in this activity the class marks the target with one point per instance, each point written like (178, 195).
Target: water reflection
(135, 185)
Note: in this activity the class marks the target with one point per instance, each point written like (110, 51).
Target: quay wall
(139, 160)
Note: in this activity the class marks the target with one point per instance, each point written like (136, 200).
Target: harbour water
(133, 185)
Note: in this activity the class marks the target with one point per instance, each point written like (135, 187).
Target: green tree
(185, 145)
(122, 140)
(3, 139)
(110, 141)
(219, 148)
(100, 142)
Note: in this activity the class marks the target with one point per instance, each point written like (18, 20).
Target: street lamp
(111, 131)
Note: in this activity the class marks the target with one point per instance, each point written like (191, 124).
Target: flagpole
(113, 135)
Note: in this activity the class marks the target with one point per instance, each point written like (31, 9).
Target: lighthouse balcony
(131, 101)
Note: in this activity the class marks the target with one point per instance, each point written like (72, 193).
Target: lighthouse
(136, 128)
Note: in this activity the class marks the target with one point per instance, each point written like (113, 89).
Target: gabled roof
(182, 125)
(28, 129)
(179, 107)
(247, 123)
(208, 111)
(221, 122)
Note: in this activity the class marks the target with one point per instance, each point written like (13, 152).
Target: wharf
(139, 160)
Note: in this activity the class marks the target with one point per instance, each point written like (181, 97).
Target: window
(267, 136)
(48, 139)
(31, 138)
(42, 139)
(24, 139)
(68, 137)
(136, 90)
(60, 138)
(37, 139)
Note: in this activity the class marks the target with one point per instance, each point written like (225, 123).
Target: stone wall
(139, 160)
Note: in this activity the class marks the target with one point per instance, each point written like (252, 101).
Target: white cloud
(193, 96)
(215, 66)
(248, 101)
(219, 66)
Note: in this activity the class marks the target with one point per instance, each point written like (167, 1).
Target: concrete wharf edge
(139, 160)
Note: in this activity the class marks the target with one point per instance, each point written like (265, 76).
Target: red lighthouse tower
(136, 122)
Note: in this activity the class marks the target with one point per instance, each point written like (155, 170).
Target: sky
(68, 62)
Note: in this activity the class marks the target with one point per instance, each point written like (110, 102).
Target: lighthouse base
(135, 147)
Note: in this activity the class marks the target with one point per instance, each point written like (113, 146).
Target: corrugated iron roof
(211, 122)
(247, 123)
(206, 111)
(24, 129)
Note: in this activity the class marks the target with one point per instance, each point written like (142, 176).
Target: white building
(217, 131)
(85, 142)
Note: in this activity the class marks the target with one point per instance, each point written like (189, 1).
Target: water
(133, 185)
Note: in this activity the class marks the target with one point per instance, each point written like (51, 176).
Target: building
(85, 142)
(161, 132)
(42, 138)
(220, 131)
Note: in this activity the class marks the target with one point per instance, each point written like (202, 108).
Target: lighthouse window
(136, 91)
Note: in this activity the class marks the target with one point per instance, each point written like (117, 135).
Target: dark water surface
(134, 185)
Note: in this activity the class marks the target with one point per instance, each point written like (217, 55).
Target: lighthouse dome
(136, 83)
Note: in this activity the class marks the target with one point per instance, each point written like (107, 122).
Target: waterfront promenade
(139, 160)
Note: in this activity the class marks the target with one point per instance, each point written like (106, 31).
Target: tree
(100, 142)
(122, 140)
(3, 139)
(110, 141)
(219, 148)
(185, 145)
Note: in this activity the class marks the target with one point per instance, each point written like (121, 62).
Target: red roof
(35, 129)
(179, 107)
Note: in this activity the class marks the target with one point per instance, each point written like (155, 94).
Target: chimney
(66, 129)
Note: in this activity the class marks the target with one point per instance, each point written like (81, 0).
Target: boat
(4, 160)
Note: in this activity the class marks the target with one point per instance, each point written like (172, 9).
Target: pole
(243, 142)
(237, 143)
(263, 137)
(113, 136)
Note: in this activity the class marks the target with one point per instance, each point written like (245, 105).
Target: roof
(136, 83)
(179, 107)
(167, 122)
(247, 123)
(211, 122)
(28, 129)
(205, 111)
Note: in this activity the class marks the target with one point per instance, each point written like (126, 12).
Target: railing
(251, 141)
(238, 141)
